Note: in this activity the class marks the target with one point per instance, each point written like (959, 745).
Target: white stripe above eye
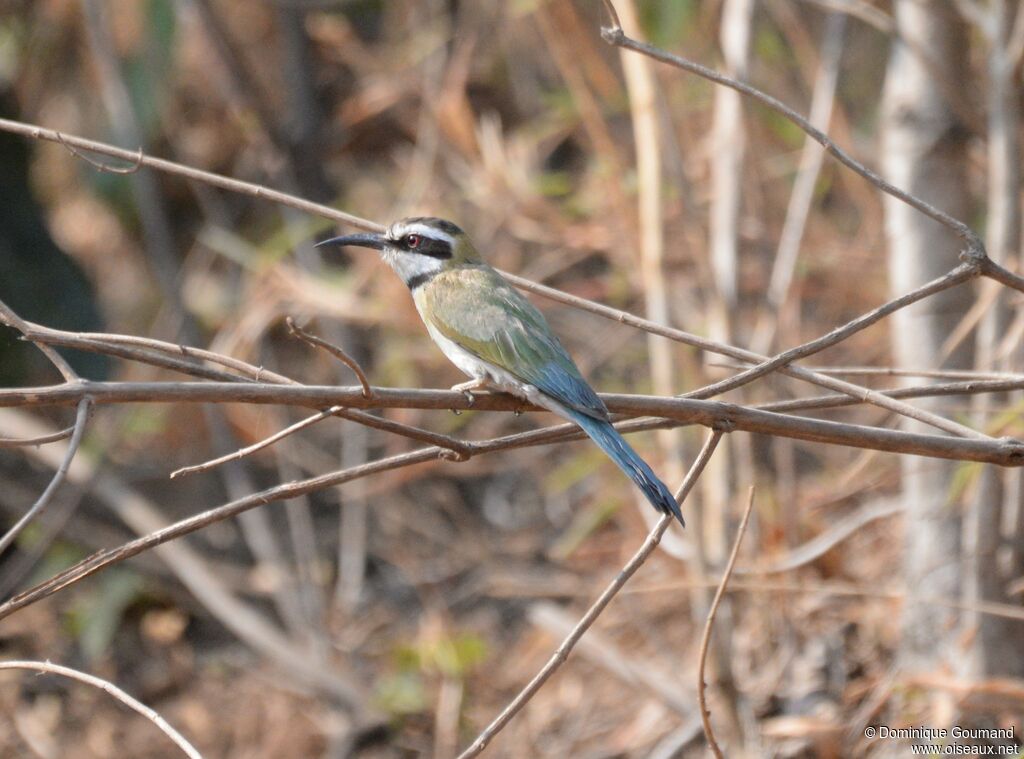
(423, 230)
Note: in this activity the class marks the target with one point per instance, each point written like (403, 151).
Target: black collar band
(420, 279)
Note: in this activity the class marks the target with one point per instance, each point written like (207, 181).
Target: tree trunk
(924, 151)
(997, 648)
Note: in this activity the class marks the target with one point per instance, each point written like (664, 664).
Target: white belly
(477, 368)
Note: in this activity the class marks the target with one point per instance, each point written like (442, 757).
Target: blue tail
(619, 451)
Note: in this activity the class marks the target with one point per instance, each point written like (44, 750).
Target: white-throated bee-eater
(497, 337)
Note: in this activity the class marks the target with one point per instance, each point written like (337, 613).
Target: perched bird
(497, 337)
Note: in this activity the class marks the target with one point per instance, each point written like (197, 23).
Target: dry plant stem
(334, 350)
(994, 608)
(1003, 451)
(37, 508)
(859, 9)
(802, 195)
(641, 91)
(970, 387)
(891, 371)
(839, 531)
(705, 715)
(615, 36)
(562, 653)
(456, 450)
(8, 442)
(109, 688)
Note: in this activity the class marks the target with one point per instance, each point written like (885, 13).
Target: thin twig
(109, 688)
(334, 350)
(43, 501)
(104, 167)
(11, 319)
(615, 36)
(705, 715)
(562, 653)
(258, 446)
(53, 437)
(170, 167)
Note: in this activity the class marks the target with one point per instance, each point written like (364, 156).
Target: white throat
(410, 266)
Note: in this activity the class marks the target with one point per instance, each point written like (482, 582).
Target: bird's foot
(466, 389)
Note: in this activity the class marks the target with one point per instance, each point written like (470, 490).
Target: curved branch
(37, 508)
(109, 688)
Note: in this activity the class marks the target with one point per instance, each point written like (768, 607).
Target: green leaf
(401, 694)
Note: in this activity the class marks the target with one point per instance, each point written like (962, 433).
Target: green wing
(480, 311)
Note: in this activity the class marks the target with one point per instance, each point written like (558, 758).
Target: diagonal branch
(43, 501)
(615, 36)
(563, 651)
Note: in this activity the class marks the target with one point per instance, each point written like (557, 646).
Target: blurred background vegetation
(426, 598)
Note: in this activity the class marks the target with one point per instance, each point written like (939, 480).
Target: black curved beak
(377, 242)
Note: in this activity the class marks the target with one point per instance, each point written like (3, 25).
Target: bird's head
(417, 248)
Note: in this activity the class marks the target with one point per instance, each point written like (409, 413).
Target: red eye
(413, 241)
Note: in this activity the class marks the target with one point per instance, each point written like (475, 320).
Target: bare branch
(11, 319)
(53, 437)
(160, 353)
(334, 350)
(109, 688)
(705, 715)
(264, 443)
(975, 247)
(959, 275)
(170, 167)
(44, 500)
(1004, 451)
(562, 653)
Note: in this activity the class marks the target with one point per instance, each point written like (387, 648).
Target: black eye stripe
(433, 248)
